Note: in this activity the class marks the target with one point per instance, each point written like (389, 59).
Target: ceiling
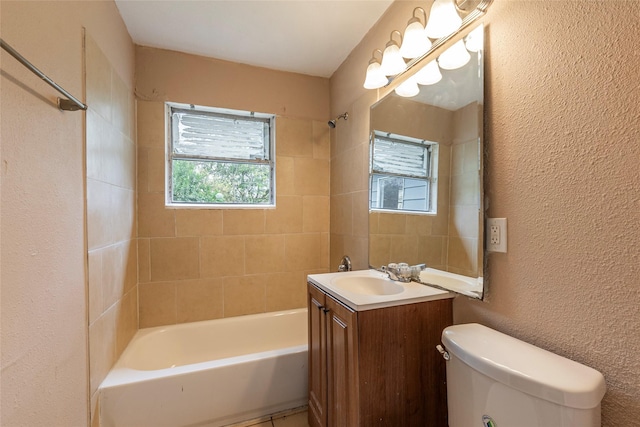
(304, 36)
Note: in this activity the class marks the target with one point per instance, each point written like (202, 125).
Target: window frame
(431, 178)
(170, 156)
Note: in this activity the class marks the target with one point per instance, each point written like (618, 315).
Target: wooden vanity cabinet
(376, 367)
(316, 303)
(332, 362)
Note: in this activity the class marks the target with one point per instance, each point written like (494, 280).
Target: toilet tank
(494, 380)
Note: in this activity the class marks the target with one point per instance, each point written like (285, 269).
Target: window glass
(219, 157)
(402, 173)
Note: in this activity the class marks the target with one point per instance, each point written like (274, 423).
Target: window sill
(397, 211)
(216, 206)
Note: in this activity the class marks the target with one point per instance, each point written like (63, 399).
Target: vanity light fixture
(443, 19)
(474, 40)
(375, 78)
(443, 24)
(455, 57)
(408, 88)
(392, 62)
(415, 41)
(429, 74)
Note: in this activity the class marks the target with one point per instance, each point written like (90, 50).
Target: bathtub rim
(121, 374)
(142, 332)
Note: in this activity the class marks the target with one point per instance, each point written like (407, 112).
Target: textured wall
(563, 133)
(44, 376)
(198, 264)
(563, 137)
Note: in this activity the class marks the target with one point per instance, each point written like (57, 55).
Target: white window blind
(220, 136)
(392, 155)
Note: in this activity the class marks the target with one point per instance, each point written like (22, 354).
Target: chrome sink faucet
(393, 274)
(345, 264)
(401, 272)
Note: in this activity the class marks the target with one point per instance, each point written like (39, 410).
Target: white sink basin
(367, 285)
(370, 289)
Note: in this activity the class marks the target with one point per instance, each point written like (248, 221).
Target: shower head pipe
(332, 123)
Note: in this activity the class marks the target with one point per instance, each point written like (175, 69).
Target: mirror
(426, 166)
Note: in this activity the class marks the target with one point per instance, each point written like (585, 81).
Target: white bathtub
(209, 373)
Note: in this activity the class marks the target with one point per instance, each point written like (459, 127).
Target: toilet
(494, 380)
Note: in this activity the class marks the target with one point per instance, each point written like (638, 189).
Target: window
(218, 157)
(403, 173)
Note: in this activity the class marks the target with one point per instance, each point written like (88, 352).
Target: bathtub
(210, 373)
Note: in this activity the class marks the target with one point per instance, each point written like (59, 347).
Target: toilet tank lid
(525, 367)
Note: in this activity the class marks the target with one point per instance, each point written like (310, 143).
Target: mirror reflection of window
(448, 109)
(403, 173)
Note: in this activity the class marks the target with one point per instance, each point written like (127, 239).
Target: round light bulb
(375, 78)
(415, 42)
(408, 88)
(443, 19)
(392, 62)
(475, 40)
(429, 74)
(454, 57)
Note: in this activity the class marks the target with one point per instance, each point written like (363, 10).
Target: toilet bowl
(494, 380)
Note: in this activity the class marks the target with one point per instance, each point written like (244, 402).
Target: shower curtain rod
(70, 104)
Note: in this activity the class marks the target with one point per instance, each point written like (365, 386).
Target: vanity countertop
(400, 294)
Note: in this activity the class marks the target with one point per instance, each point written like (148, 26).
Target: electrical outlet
(494, 235)
(497, 239)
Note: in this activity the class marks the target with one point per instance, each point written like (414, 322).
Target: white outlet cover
(501, 244)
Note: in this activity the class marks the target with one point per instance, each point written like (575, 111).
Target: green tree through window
(207, 182)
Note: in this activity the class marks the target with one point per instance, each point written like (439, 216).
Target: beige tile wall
(465, 239)
(415, 239)
(350, 186)
(199, 264)
(448, 240)
(111, 183)
(463, 221)
(412, 238)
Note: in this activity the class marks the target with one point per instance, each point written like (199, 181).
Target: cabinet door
(342, 353)
(317, 357)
